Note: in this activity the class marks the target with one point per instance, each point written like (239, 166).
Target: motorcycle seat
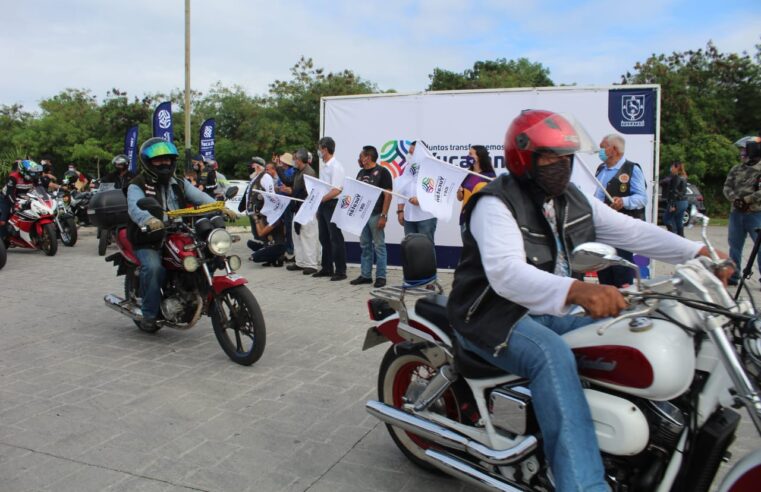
(472, 366)
(434, 309)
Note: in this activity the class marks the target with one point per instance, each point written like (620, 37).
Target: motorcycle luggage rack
(395, 296)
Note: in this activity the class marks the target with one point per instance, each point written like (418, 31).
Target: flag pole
(382, 189)
(597, 181)
(275, 194)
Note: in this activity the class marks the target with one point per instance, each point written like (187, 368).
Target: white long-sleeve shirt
(504, 258)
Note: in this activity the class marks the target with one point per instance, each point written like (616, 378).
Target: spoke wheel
(402, 377)
(49, 240)
(239, 325)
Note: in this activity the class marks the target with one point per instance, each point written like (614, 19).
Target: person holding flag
(373, 238)
(331, 237)
(408, 211)
(306, 247)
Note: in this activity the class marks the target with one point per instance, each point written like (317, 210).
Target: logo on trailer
(393, 156)
(165, 119)
(633, 107)
(428, 184)
(346, 201)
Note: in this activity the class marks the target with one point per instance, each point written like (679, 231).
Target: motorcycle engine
(181, 307)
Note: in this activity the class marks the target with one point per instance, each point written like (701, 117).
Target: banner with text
(437, 184)
(316, 189)
(162, 122)
(206, 138)
(130, 148)
(355, 205)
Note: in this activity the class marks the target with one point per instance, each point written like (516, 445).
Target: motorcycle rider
(20, 182)
(158, 162)
(512, 289)
(48, 179)
(120, 176)
(209, 180)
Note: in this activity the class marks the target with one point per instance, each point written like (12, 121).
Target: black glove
(741, 205)
(297, 228)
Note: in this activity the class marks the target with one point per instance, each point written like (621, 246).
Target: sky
(137, 46)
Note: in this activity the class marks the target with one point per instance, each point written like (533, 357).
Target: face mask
(554, 178)
(603, 156)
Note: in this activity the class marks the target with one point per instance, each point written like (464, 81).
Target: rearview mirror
(231, 192)
(591, 257)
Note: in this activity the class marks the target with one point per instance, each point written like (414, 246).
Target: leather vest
(620, 185)
(153, 239)
(475, 310)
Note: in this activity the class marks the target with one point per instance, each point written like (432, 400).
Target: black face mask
(163, 173)
(553, 178)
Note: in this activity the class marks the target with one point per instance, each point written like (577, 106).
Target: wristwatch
(384, 216)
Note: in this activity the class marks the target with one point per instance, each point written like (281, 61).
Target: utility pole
(187, 85)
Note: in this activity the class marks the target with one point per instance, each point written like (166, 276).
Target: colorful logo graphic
(428, 184)
(393, 156)
(346, 201)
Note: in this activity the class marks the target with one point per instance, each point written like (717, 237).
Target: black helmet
(158, 147)
(70, 177)
(120, 162)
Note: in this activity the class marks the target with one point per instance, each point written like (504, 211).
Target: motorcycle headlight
(190, 263)
(220, 241)
(234, 262)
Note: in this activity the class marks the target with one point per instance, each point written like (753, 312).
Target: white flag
(355, 205)
(436, 185)
(274, 206)
(316, 189)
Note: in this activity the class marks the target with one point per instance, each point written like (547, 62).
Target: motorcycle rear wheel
(404, 371)
(235, 316)
(69, 232)
(103, 242)
(49, 240)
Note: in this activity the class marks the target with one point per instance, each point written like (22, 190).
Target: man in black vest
(158, 161)
(625, 183)
(512, 289)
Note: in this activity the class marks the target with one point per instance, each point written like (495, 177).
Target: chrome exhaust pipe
(448, 437)
(467, 472)
(123, 306)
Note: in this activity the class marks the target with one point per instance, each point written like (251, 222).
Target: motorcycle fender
(221, 283)
(384, 331)
(745, 475)
(40, 224)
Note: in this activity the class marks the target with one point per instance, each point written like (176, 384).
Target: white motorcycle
(661, 381)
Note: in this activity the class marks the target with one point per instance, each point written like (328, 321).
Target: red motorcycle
(32, 223)
(196, 244)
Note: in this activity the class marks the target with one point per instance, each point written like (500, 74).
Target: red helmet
(537, 130)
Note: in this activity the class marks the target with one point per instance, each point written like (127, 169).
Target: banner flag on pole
(274, 206)
(206, 138)
(316, 189)
(436, 185)
(162, 122)
(355, 205)
(130, 148)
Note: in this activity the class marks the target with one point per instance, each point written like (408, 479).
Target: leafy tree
(499, 73)
(709, 99)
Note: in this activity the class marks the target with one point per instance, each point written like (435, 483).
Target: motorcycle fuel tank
(650, 358)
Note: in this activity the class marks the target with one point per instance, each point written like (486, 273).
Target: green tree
(491, 74)
(709, 99)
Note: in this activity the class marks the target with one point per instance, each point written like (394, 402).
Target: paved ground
(88, 402)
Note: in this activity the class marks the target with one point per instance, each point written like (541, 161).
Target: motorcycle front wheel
(403, 375)
(3, 254)
(49, 240)
(69, 231)
(239, 325)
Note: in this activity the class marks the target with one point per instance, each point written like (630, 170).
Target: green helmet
(153, 148)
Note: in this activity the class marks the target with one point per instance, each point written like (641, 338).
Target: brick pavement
(88, 402)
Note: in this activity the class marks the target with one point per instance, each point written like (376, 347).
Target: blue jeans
(740, 226)
(152, 276)
(372, 240)
(673, 220)
(427, 227)
(537, 352)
